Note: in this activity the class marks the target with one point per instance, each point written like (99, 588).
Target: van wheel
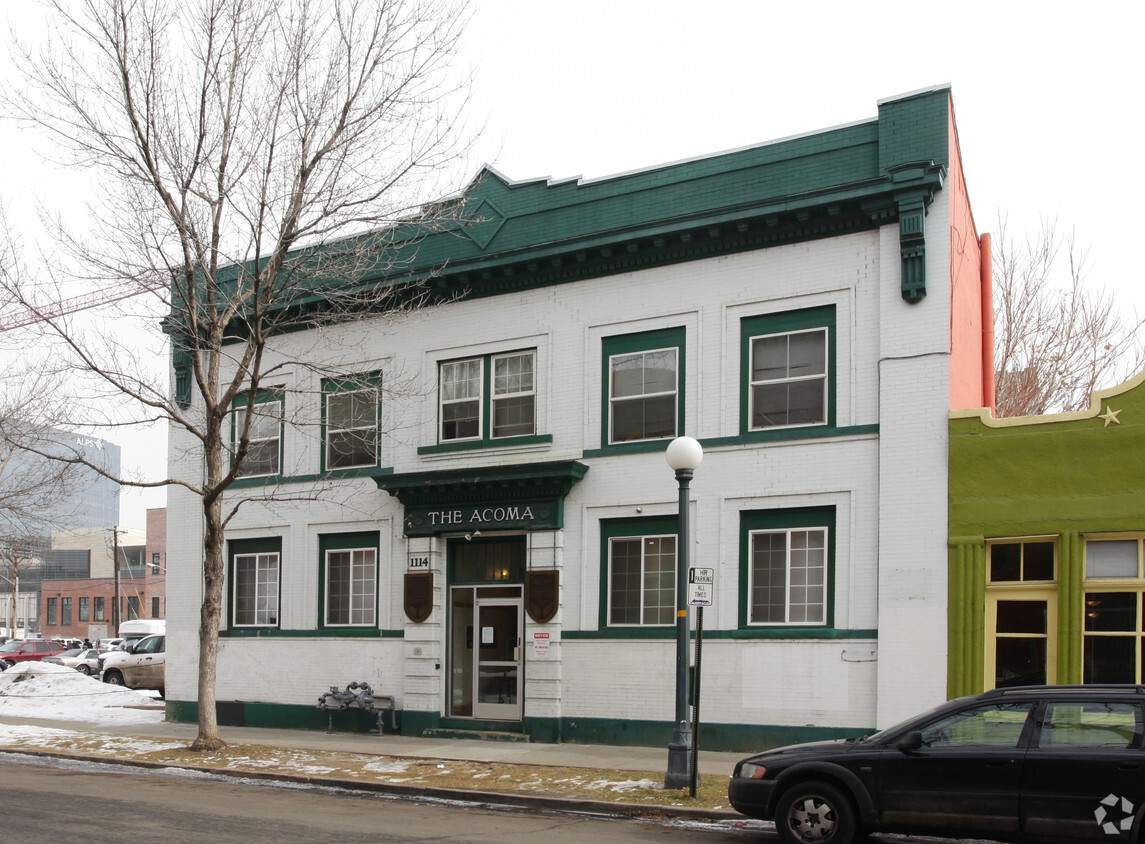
(815, 813)
(113, 677)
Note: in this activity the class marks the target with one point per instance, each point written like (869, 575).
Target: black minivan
(1029, 763)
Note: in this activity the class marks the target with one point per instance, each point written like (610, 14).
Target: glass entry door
(486, 653)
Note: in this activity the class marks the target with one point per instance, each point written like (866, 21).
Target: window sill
(321, 633)
(483, 445)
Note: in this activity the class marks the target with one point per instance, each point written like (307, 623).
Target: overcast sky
(1047, 99)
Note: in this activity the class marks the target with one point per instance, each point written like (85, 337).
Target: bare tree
(1056, 337)
(250, 153)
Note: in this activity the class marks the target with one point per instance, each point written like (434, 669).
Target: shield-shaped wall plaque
(418, 595)
(542, 594)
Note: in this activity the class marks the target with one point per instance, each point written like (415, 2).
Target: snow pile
(56, 692)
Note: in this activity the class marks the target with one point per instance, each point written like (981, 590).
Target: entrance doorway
(486, 658)
(1021, 643)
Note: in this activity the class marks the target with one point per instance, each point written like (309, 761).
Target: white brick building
(496, 545)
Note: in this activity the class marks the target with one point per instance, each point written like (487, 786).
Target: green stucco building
(1047, 520)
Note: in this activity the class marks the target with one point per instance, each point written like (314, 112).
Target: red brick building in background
(84, 608)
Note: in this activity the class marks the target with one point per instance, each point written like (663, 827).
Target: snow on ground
(59, 693)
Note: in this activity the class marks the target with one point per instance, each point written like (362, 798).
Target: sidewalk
(653, 761)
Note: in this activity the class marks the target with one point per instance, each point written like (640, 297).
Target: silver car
(83, 660)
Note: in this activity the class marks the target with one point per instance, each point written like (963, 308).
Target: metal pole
(680, 745)
(694, 779)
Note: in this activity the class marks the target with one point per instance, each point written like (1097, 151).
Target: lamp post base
(679, 773)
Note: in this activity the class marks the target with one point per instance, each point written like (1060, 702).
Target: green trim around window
(643, 341)
(342, 542)
(615, 529)
(237, 547)
(262, 396)
(486, 440)
(352, 383)
(783, 323)
(787, 519)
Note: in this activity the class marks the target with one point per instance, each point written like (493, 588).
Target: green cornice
(484, 484)
(502, 236)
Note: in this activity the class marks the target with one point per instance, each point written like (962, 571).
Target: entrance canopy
(527, 496)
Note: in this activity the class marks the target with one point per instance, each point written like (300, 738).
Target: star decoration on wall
(1110, 416)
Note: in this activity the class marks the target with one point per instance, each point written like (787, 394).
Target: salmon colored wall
(967, 367)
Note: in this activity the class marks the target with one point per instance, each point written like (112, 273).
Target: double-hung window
(488, 398)
(788, 372)
(640, 572)
(255, 577)
(350, 419)
(643, 377)
(264, 449)
(349, 579)
(787, 563)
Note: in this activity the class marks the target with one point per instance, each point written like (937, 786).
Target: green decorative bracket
(915, 186)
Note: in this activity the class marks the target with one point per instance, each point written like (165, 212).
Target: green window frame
(642, 390)
(348, 579)
(638, 559)
(351, 421)
(787, 361)
(264, 453)
(255, 576)
(787, 568)
(488, 399)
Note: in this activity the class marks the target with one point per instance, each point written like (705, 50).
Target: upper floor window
(644, 378)
(51, 611)
(350, 409)
(788, 369)
(264, 450)
(493, 393)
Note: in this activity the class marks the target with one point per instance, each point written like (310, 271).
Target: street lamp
(684, 455)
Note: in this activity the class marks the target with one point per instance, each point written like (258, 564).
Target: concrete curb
(505, 799)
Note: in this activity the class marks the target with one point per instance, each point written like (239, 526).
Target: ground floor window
(787, 566)
(349, 579)
(1113, 642)
(52, 611)
(98, 610)
(84, 609)
(255, 582)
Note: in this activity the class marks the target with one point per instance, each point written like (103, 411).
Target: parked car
(1031, 763)
(143, 666)
(30, 651)
(83, 660)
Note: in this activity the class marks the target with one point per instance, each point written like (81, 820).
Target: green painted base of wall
(743, 738)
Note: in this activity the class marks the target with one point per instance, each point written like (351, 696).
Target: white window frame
(257, 418)
(788, 585)
(642, 539)
(823, 377)
(614, 400)
(362, 597)
(500, 397)
(443, 402)
(331, 428)
(266, 615)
